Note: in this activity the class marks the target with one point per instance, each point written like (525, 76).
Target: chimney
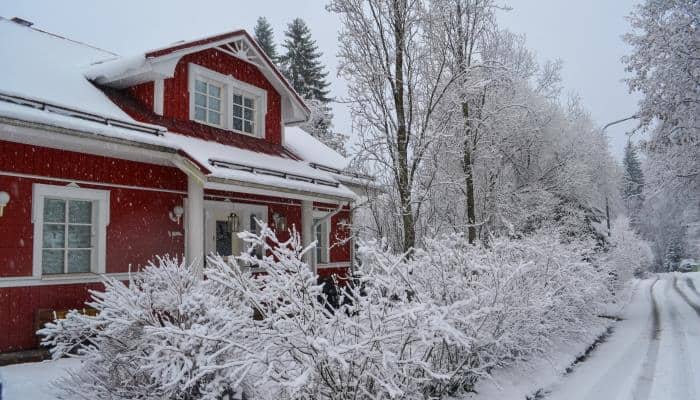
(21, 21)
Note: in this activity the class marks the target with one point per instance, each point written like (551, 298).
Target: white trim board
(64, 279)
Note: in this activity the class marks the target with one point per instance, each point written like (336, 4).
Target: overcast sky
(584, 34)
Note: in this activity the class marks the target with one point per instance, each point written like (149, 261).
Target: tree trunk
(402, 133)
(468, 168)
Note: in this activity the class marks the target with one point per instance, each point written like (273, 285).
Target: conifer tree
(301, 63)
(265, 38)
(632, 183)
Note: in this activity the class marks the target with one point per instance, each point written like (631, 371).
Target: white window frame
(100, 201)
(230, 86)
(327, 222)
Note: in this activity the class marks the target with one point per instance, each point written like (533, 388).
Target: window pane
(237, 99)
(214, 91)
(237, 111)
(248, 127)
(200, 99)
(200, 86)
(248, 114)
(54, 236)
(54, 210)
(80, 212)
(237, 124)
(52, 262)
(248, 102)
(214, 104)
(214, 117)
(79, 236)
(79, 261)
(200, 114)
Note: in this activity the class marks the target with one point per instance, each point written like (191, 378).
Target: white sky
(584, 34)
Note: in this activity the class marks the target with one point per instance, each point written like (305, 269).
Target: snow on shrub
(428, 326)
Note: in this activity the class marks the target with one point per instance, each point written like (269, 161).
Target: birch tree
(395, 81)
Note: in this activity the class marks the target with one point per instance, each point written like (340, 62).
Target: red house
(108, 161)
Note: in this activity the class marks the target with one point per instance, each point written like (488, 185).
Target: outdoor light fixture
(176, 214)
(233, 222)
(4, 199)
(280, 221)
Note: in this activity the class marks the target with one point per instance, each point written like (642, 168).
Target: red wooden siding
(138, 228)
(143, 93)
(144, 213)
(18, 307)
(340, 252)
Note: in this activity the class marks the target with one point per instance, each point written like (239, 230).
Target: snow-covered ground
(655, 352)
(652, 354)
(32, 381)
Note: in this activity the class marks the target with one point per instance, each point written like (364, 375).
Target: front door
(224, 220)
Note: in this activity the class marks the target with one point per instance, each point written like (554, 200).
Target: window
(69, 229)
(227, 103)
(321, 240)
(243, 114)
(207, 102)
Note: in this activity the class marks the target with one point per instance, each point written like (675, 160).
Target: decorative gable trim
(161, 63)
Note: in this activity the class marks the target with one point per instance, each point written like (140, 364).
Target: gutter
(85, 135)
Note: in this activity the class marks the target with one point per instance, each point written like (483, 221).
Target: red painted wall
(18, 307)
(138, 228)
(176, 103)
(143, 93)
(339, 234)
(131, 210)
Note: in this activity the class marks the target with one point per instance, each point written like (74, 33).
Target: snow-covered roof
(41, 65)
(312, 150)
(42, 82)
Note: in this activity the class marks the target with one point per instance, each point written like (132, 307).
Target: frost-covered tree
(462, 26)
(301, 62)
(266, 38)
(665, 68)
(396, 78)
(320, 126)
(632, 182)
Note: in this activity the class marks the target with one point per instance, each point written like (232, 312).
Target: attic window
(207, 102)
(222, 101)
(244, 114)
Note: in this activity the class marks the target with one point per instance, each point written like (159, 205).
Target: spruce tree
(265, 38)
(632, 183)
(302, 63)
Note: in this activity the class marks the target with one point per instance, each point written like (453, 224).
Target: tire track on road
(642, 389)
(691, 303)
(691, 285)
(684, 367)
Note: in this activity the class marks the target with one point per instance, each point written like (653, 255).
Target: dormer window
(207, 102)
(243, 113)
(224, 102)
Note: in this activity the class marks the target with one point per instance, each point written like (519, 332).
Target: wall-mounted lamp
(280, 221)
(233, 222)
(4, 199)
(176, 214)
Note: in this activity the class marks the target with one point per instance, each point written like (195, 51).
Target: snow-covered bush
(629, 254)
(417, 328)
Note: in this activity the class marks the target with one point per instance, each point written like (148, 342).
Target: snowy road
(654, 352)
